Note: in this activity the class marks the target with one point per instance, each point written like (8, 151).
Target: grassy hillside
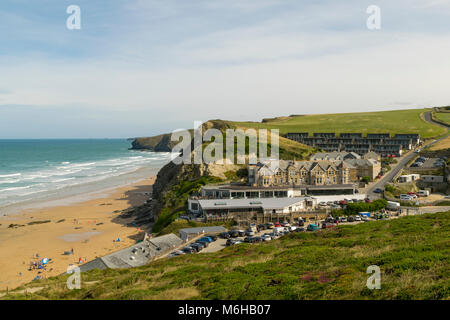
(398, 121)
(412, 252)
(443, 116)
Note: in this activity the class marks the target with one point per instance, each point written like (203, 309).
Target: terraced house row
(380, 143)
(322, 172)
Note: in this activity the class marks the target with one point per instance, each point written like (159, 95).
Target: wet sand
(90, 228)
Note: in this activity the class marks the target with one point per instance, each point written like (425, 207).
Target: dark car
(229, 242)
(351, 219)
(241, 233)
(201, 245)
(261, 227)
(214, 237)
(299, 229)
(225, 235)
(188, 250)
(377, 190)
(195, 247)
(234, 233)
(204, 242)
(258, 239)
(250, 239)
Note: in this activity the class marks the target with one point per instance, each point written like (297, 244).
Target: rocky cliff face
(159, 143)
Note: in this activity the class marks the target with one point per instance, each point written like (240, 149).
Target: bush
(355, 208)
(366, 179)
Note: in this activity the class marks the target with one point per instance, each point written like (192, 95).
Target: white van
(423, 193)
(405, 197)
(393, 205)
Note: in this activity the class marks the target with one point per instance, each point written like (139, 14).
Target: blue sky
(142, 67)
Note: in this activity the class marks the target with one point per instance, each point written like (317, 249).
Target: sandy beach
(90, 228)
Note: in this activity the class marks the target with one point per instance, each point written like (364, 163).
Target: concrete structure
(381, 143)
(408, 177)
(431, 178)
(189, 233)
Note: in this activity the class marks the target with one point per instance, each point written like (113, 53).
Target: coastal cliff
(160, 143)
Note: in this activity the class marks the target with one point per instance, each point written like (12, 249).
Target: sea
(36, 172)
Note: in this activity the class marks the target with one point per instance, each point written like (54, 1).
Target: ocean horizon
(34, 170)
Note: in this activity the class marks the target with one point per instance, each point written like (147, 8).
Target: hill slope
(412, 252)
(397, 121)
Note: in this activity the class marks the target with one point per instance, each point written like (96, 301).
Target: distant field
(398, 121)
(443, 116)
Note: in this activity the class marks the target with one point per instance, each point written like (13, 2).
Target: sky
(144, 67)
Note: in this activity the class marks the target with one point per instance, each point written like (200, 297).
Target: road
(402, 163)
(428, 118)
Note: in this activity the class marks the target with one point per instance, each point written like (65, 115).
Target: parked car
(270, 225)
(188, 250)
(364, 218)
(204, 242)
(195, 247)
(312, 227)
(261, 227)
(377, 190)
(230, 242)
(351, 219)
(176, 253)
(405, 197)
(201, 244)
(225, 235)
(214, 237)
(249, 233)
(266, 237)
(241, 233)
(342, 219)
(234, 233)
(299, 229)
(327, 225)
(207, 239)
(357, 218)
(250, 239)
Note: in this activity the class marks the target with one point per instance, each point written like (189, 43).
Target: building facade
(316, 173)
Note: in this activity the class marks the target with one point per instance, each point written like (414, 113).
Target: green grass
(398, 121)
(443, 116)
(412, 252)
(175, 200)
